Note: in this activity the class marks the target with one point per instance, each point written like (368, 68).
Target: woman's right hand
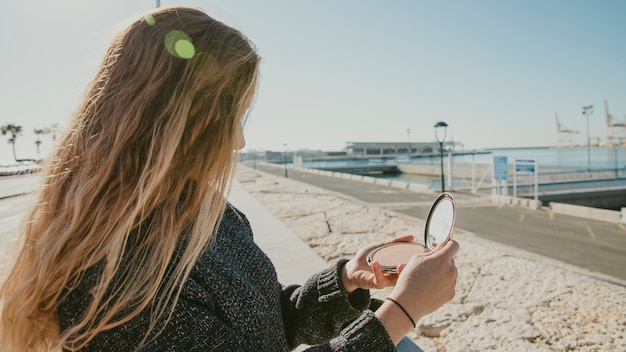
(426, 283)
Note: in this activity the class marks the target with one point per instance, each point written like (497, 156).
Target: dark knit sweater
(233, 301)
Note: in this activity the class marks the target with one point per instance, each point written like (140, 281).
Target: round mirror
(440, 221)
(437, 231)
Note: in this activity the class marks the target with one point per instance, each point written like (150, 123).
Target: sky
(337, 71)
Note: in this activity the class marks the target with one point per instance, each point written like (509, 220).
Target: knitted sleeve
(322, 312)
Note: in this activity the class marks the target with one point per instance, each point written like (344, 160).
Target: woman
(132, 245)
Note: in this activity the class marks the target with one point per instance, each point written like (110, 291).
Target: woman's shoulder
(232, 214)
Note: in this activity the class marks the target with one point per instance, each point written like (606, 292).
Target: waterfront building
(395, 148)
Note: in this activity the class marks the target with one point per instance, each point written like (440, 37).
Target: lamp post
(408, 139)
(587, 111)
(285, 160)
(444, 127)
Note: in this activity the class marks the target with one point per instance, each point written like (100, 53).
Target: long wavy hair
(166, 108)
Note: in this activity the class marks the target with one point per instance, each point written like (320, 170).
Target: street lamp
(587, 111)
(444, 127)
(285, 160)
(408, 139)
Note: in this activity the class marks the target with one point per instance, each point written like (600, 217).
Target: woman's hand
(358, 274)
(427, 281)
(424, 284)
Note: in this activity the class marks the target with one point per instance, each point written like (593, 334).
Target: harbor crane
(615, 131)
(565, 137)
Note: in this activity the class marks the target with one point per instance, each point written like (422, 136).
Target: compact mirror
(437, 231)
(440, 221)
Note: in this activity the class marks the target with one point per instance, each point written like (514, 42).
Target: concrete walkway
(294, 260)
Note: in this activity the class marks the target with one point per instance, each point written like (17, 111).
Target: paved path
(10, 186)
(294, 260)
(594, 245)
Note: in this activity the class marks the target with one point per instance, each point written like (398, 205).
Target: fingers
(400, 268)
(449, 271)
(379, 276)
(447, 250)
(382, 279)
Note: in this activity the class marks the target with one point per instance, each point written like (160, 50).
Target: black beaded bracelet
(404, 310)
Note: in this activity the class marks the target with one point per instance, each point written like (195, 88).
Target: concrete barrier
(383, 181)
(399, 184)
(419, 188)
(358, 178)
(613, 216)
(369, 179)
(517, 202)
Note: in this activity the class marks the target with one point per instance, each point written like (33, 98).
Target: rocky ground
(506, 299)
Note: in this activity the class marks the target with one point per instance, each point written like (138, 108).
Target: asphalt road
(594, 245)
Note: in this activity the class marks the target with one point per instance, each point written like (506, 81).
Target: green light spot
(179, 45)
(150, 20)
(184, 49)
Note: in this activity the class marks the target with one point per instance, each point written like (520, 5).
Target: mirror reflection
(440, 221)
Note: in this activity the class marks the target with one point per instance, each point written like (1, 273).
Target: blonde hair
(165, 110)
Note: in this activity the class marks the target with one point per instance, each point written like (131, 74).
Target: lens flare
(179, 45)
(184, 49)
(150, 20)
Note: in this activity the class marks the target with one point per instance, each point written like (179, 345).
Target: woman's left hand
(358, 274)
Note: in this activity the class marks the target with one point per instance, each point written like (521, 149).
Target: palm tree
(40, 132)
(15, 131)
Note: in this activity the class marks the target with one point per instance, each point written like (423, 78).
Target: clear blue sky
(333, 71)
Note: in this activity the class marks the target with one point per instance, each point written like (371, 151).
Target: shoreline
(507, 299)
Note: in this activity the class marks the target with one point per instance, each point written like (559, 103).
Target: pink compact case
(437, 231)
